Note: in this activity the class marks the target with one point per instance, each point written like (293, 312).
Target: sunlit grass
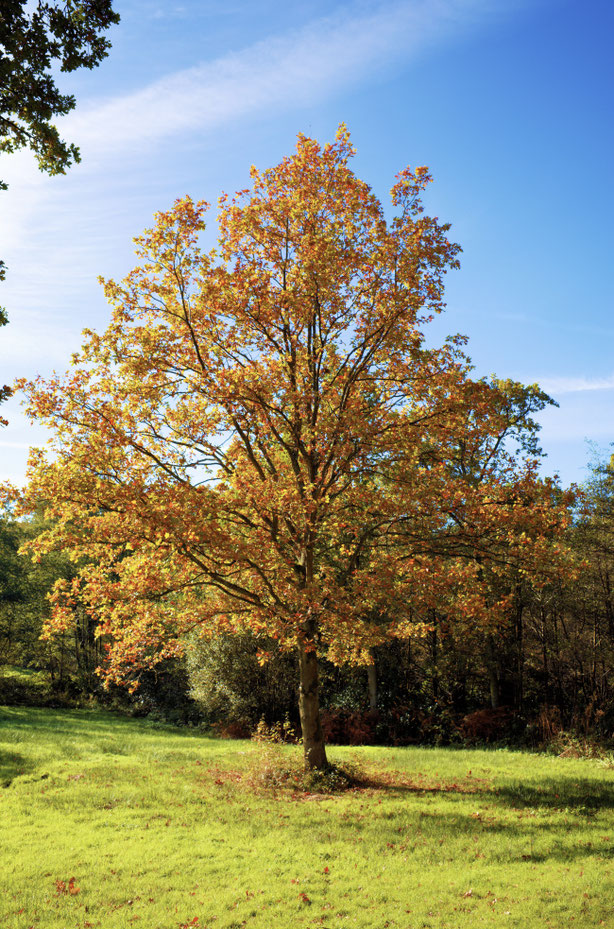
(161, 829)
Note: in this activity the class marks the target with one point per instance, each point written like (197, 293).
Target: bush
(164, 695)
(236, 729)
(344, 727)
(270, 766)
(232, 688)
(26, 687)
(571, 744)
(487, 725)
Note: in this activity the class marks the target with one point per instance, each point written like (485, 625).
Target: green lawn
(107, 822)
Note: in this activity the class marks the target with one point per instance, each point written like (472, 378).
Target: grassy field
(108, 822)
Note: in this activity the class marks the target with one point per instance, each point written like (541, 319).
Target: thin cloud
(53, 346)
(582, 414)
(297, 68)
(294, 69)
(571, 385)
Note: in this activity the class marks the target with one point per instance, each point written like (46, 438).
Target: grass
(108, 822)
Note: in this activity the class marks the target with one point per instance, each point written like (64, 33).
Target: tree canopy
(262, 439)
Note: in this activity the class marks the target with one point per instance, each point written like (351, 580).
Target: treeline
(68, 661)
(549, 667)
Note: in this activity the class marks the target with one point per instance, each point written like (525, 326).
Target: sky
(509, 103)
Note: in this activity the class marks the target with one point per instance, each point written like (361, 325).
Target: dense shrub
(232, 688)
(487, 725)
(344, 727)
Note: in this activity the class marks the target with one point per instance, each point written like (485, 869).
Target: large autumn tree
(262, 441)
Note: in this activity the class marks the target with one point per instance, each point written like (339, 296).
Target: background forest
(548, 670)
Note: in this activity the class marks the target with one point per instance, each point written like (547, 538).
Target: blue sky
(509, 102)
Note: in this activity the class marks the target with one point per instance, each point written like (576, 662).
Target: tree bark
(519, 653)
(493, 674)
(372, 682)
(309, 709)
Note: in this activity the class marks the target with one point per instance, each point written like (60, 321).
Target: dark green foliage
(25, 687)
(12, 579)
(232, 687)
(35, 38)
(69, 660)
(163, 695)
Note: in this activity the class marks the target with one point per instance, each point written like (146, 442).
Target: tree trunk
(493, 674)
(519, 653)
(493, 680)
(434, 659)
(309, 709)
(372, 682)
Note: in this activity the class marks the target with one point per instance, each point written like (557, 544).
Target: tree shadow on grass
(13, 764)
(577, 795)
(565, 793)
(50, 720)
(80, 722)
(585, 796)
(517, 824)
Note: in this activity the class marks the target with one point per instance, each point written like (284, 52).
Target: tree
(502, 646)
(262, 441)
(573, 623)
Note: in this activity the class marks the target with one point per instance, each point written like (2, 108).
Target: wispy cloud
(294, 69)
(283, 72)
(579, 417)
(571, 385)
(20, 445)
